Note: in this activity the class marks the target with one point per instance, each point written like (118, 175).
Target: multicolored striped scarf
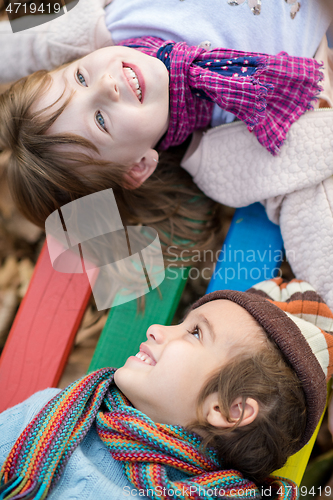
(269, 93)
(147, 449)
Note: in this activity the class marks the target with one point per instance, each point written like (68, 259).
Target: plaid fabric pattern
(267, 92)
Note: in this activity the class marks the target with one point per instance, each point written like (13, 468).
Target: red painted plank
(42, 334)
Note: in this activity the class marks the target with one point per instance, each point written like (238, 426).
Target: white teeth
(144, 357)
(133, 81)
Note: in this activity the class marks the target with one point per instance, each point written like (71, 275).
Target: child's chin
(125, 381)
(121, 375)
(117, 376)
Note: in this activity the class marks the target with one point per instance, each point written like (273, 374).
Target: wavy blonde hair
(43, 175)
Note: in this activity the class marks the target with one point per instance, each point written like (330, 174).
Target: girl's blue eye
(100, 120)
(81, 78)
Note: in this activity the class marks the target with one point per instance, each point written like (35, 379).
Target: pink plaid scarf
(268, 93)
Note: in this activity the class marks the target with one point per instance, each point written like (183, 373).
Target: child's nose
(157, 333)
(161, 334)
(110, 87)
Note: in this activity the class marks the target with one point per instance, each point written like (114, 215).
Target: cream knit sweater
(296, 187)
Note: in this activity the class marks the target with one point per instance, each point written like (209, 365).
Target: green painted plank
(126, 327)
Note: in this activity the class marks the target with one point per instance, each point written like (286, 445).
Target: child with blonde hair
(56, 175)
(206, 408)
(117, 106)
(45, 171)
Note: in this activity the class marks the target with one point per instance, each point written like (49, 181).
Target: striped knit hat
(301, 324)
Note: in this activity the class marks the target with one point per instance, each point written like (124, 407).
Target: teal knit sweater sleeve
(90, 474)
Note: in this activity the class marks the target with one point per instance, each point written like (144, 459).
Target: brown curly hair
(259, 448)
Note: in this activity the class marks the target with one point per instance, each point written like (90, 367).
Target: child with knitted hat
(204, 409)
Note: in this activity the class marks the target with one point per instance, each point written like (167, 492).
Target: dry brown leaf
(89, 318)
(77, 365)
(13, 222)
(9, 273)
(8, 304)
(26, 269)
(86, 333)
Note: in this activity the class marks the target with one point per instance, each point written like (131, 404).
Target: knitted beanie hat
(295, 317)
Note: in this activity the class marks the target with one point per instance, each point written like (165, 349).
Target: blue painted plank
(252, 251)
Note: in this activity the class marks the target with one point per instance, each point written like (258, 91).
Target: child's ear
(214, 416)
(141, 170)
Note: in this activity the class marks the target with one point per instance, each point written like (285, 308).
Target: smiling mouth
(146, 358)
(133, 80)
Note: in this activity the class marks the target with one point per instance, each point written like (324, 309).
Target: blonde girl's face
(120, 103)
(165, 378)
